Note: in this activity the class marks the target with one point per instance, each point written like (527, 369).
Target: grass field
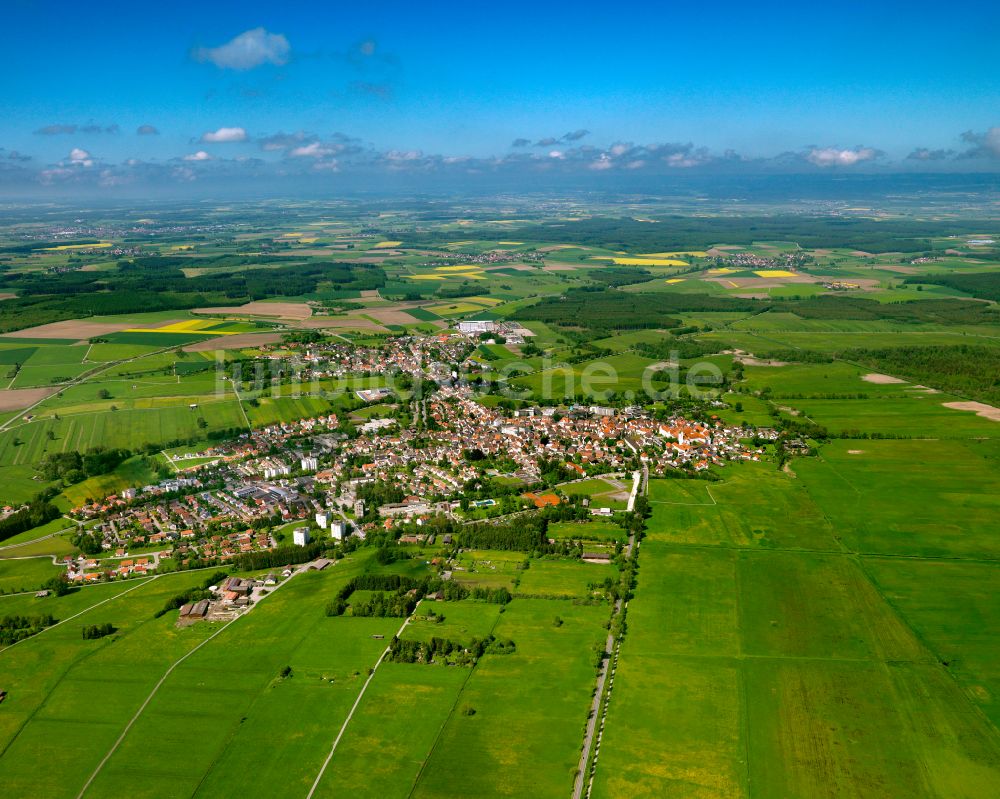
(593, 530)
(229, 695)
(762, 652)
(563, 578)
(132, 472)
(26, 575)
(539, 694)
(943, 503)
(400, 718)
(603, 492)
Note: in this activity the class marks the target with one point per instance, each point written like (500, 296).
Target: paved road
(583, 779)
(595, 713)
(40, 538)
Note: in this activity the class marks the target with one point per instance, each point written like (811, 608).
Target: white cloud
(223, 135)
(81, 157)
(248, 50)
(558, 154)
(682, 161)
(327, 166)
(833, 156)
(313, 150)
(201, 155)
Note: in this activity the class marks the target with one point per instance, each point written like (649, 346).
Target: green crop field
(592, 530)
(230, 693)
(775, 658)
(563, 578)
(401, 718)
(538, 694)
(25, 574)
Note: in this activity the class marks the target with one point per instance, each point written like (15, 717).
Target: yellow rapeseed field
(692, 253)
(187, 326)
(78, 246)
(646, 261)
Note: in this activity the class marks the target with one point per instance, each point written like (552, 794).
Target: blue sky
(325, 90)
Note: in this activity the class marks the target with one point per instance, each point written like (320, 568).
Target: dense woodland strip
(686, 232)
(968, 370)
(609, 310)
(982, 285)
(159, 284)
(37, 513)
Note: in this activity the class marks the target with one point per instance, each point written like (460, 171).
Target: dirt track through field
(354, 707)
(169, 671)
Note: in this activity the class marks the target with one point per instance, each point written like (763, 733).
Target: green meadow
(768, 647)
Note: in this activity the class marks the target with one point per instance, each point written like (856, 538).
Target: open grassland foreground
(767, 654)
(766, 657)
(252, 707)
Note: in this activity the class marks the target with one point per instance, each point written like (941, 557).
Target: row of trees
(94, 631)
(39, 511)
(16, 628)
(437, 649)
(73, 467)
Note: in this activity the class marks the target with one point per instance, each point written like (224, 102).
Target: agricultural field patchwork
(808, 607)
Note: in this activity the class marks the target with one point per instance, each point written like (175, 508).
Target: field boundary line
(584, 781)
(451, 712)
(234, 732)
(97, 370)
(239, 401)
(76, 615)
(350, 715)
(975, 709)
(142, 707)
(741, 669)
(708, 491)
(36, 540)
(163, 679)
(95, 585)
